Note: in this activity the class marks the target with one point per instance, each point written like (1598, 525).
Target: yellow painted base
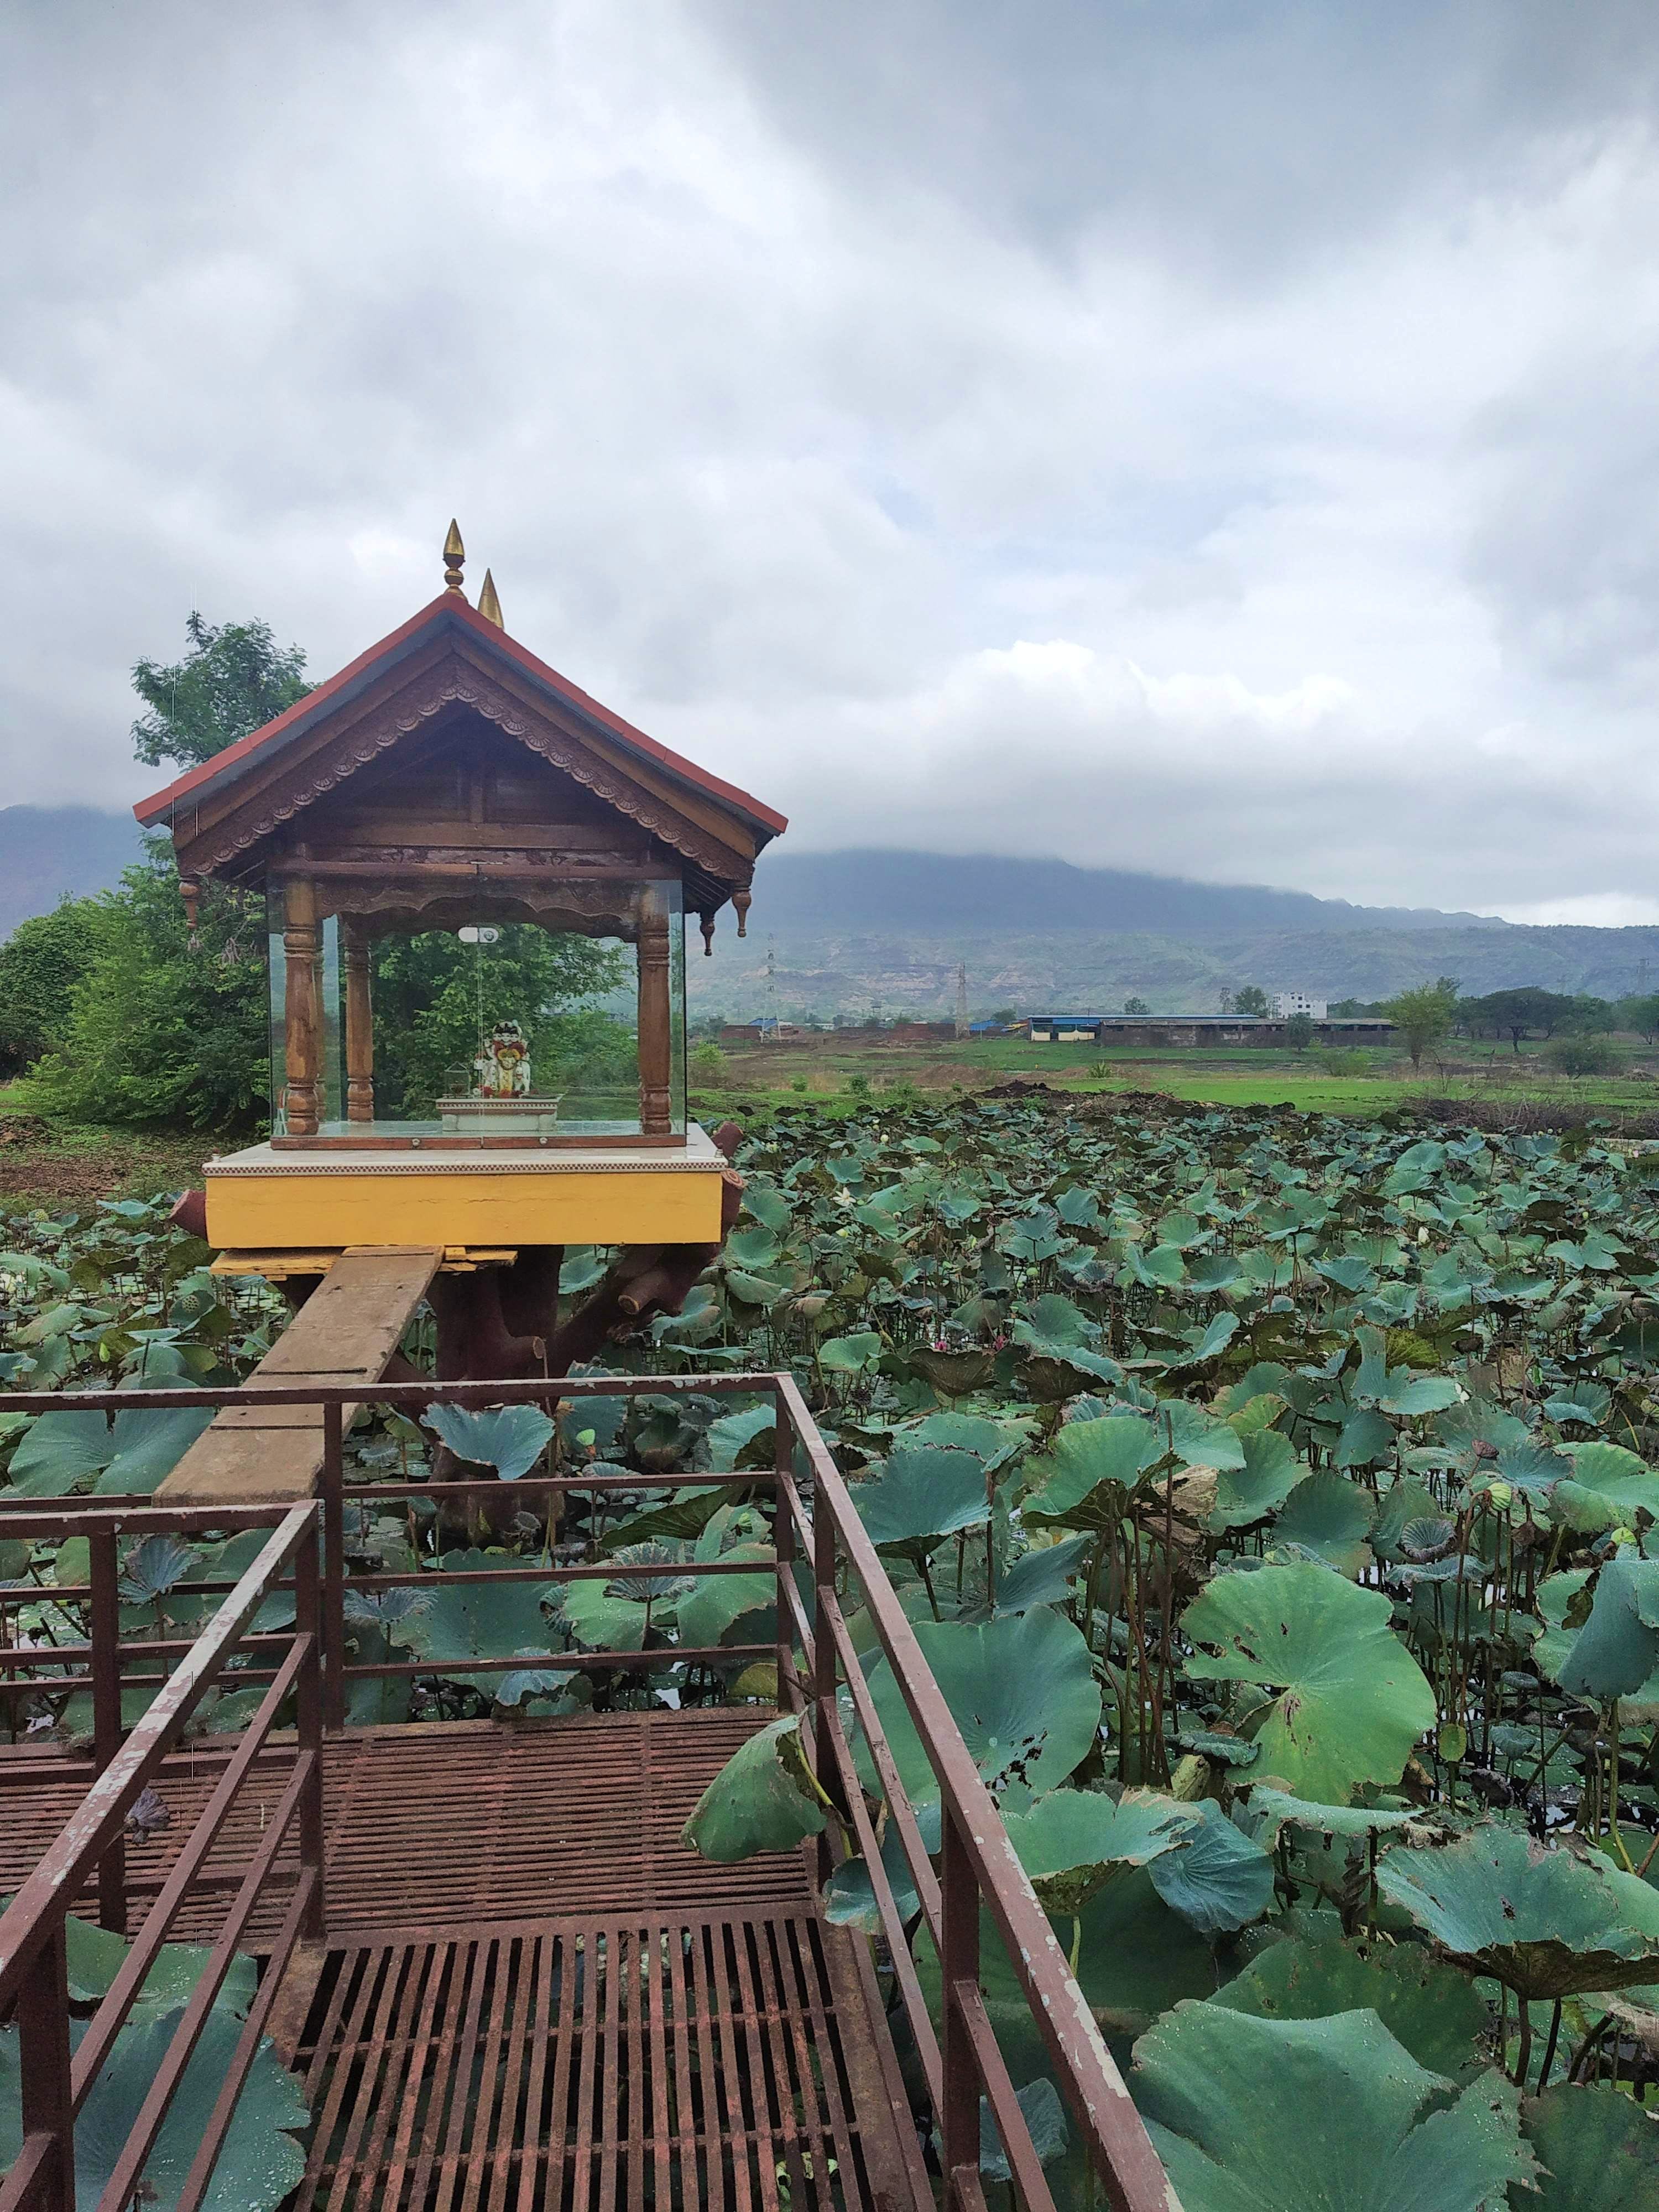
(261, 1200)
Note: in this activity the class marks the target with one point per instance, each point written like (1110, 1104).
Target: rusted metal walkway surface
(499, 1972)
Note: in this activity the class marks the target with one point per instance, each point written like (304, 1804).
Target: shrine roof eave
(450, 610)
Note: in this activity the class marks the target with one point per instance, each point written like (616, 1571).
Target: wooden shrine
(448, 780)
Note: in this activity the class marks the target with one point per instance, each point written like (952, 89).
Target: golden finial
(454, 555)
(489, 605)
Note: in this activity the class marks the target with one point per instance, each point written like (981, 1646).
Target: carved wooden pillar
(655, 1027)
(302, 1028)
(359, 1025)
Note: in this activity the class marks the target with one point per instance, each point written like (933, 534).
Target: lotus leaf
(1609, 1486)
(1352, 1701)
(1022, 1690)
(61, 1452)
(1045, 2123)
(714, 1603)
(1434, 2011)
(763, 1799)
(1255, 2115)
(1616, 1652)
(1220, 1880)
(1073, 1842)
(480, 1621)
(260, 2163)
(1544, 1922)
(1270, 1473)
(1331, 1517)
(1042, 1577)
(734, 1434)
(1597, 2149)
(509, 1438)
(1084, 1477)
(849, 1355)
(924, 1494)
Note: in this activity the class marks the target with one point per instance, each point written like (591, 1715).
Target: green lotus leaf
(714, 1603)
(849, 1355)
(733, 1434)
(1274, 1809)
(148, 1447)
(1609, 1487)
(953, 1374)
(260, 2163)
(1084, 1477)
(1616, 1652)
(1222, 1750)
(849, 1895)
(509, 1438)
(1331, 1517)
(1365, 1439)
(481, 1621)
(1042, 1577)
(763, 1799)
(61, 1452)
(152, 1567)
(1405, 1502)
(1258, 2115)
(1197, 1439)
(1022, 1690)
(1270, 1473)
(1045, 2123)
(752, 1247)
(1073, 1842)
(1434, 2011)
(1598, 2151)
(1220, 1880)
(1351, 1700)
(1535, 1916)
(924, 1494)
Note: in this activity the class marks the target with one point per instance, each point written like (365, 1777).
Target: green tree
(164, 1027)
(1583, 1053)
(234, 679)
(1251, 999)
(1299, 1032)
(1136, 1006)
(1423, 1017)
(1523, 1011)
(1641, 1014)
(40, 963)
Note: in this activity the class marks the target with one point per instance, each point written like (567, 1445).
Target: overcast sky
(1212, 437)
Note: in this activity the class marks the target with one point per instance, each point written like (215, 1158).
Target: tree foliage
(234, 679)
(1423, 1017)
(40, 963)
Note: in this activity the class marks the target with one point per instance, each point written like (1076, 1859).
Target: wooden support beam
(359, 1025)
(301, 1007)
(349, 1329)
(655, 1027)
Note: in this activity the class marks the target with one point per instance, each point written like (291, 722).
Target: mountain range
(871, 929)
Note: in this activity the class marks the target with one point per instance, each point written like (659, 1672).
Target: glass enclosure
(496, 1031)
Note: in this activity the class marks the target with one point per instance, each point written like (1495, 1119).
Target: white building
(1286, 1002)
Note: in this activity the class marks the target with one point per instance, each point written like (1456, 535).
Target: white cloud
(1208, 442)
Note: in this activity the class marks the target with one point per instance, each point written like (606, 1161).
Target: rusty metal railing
(34, 1963)
(824, 1548)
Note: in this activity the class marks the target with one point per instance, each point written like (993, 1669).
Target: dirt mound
(1520, 1117)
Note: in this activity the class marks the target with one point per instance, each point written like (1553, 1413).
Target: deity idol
(503, 1065)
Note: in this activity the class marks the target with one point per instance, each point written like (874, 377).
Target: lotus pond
(1272, 1494)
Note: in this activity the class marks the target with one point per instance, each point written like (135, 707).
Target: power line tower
(770, 1026)
(962, 997)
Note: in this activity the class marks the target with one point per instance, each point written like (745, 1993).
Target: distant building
(1286, 1002)
(1195, 1028)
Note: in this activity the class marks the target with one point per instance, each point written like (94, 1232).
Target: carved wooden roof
(449, 678)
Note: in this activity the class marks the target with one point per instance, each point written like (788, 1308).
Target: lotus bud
(1499, 1494)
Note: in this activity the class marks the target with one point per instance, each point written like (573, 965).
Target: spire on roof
(454, 555)
(489, 605)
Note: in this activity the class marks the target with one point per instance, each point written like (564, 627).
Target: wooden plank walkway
(346, 1331)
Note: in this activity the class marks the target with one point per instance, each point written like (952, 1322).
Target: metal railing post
(960, 1961)
(333, 1609)
(308, 1700)
(105, 1638)
(783, 1535)
(48, 2097)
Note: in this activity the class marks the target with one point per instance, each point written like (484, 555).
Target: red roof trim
(450, 604)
